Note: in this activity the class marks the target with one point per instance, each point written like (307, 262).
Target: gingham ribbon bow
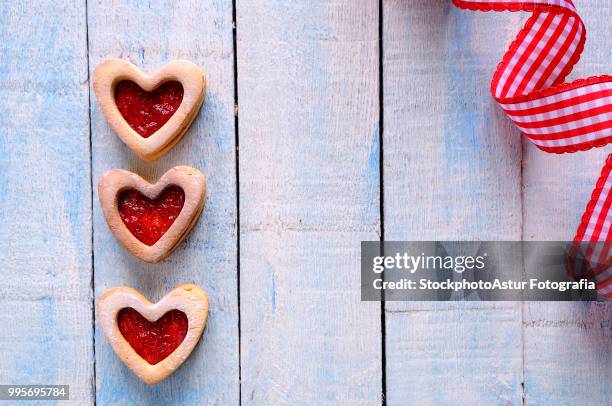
(559, 117)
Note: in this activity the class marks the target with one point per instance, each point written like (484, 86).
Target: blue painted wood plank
(309, 193)
(150, 34)
(568, 346)
(45, 216)
(451, 171)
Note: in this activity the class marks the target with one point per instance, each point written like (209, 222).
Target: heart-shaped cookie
(133, 325)
(149, 113)
(150, 220)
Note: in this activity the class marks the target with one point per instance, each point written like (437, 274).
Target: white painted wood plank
(451, 171)
(45, 215)
(568, 346)
(309, 193)
(150, 34)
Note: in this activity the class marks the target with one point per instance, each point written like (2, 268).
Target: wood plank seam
(381, 192)
(522, 233)
(237, 175)
(92, 282)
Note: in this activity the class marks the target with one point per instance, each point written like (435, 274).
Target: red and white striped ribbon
(559, 117)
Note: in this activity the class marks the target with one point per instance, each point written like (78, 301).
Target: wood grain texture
(149, 34)
(45, 198)
(309, 193)
(568, 346)
(451, 171)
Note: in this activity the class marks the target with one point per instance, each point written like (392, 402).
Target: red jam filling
(149, 219)
(146, 112)
(153, 341)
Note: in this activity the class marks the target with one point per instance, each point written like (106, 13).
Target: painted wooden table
(326, 123)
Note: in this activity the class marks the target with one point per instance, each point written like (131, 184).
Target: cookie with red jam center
(153, 339)
(150, 113)
(150, 220)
